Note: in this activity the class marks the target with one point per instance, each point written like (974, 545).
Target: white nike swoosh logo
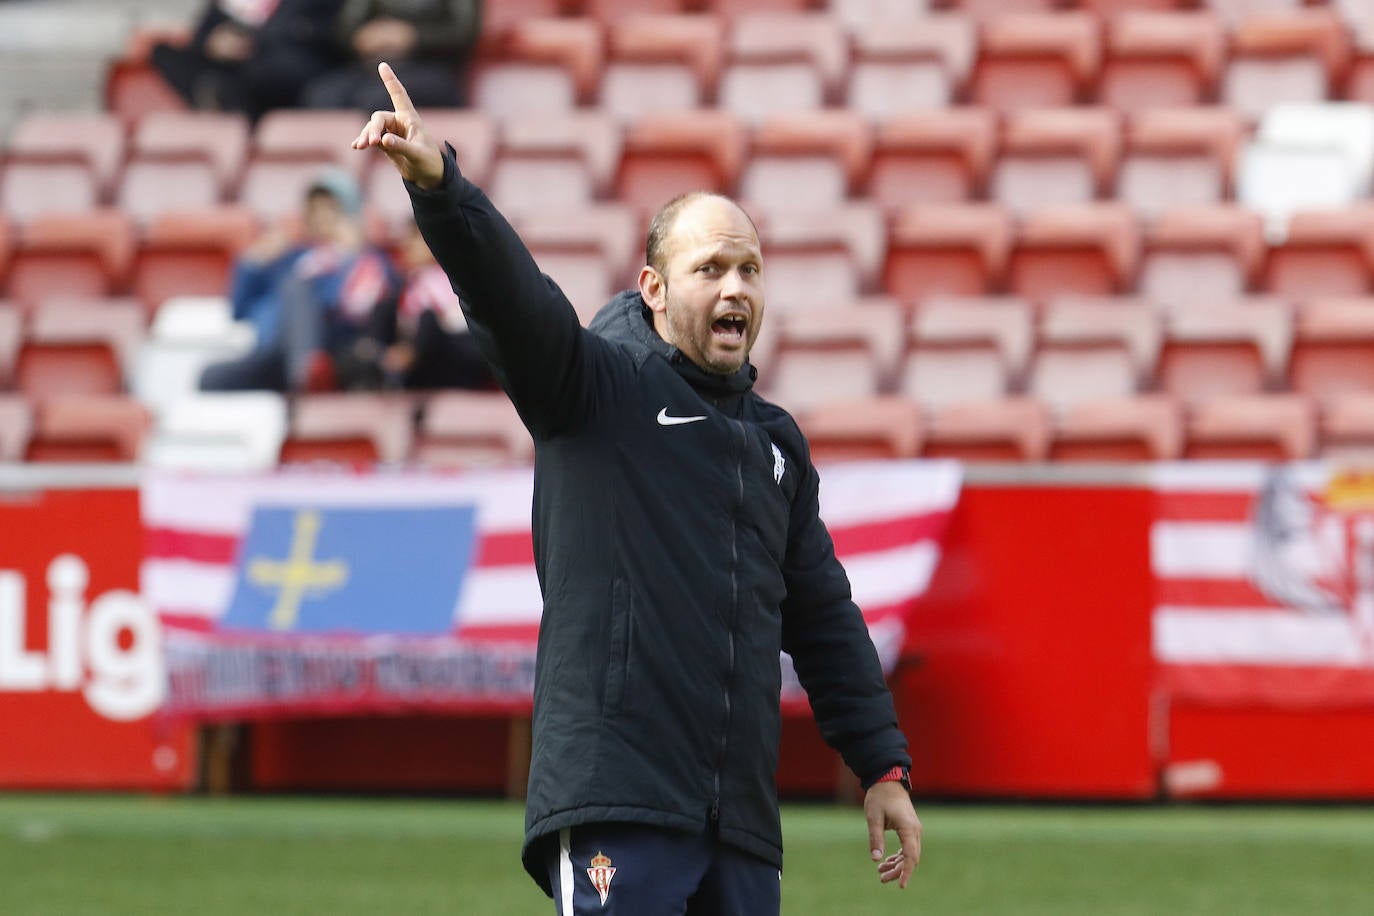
(665, 420)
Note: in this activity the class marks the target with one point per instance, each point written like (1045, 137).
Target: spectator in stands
(310, 301)
(428, 42)
(252, 55)
(419, 340)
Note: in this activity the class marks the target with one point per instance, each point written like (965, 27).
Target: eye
(751, 269)
(708, 268)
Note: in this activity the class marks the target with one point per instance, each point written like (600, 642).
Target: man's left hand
(887, 806)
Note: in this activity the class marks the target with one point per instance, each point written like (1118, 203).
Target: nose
(734, 287)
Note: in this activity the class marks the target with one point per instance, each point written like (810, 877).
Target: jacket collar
(627, 320)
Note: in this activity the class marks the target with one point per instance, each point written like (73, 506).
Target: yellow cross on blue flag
(350, 570)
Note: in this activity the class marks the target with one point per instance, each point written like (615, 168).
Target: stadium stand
(360, 429)
(87, 428)
(1146, 428)
(1160, 59)
(1110, 229)
(660, 63)
(872, 428)
(471, 429)
(76, 254)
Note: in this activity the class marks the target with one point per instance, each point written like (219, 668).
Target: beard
(692, 334)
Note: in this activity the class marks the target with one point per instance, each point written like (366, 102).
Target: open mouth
(729, 327)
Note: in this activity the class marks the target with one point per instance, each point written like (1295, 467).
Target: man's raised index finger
(400, 99)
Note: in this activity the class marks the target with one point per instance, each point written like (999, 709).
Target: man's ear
(653, 289)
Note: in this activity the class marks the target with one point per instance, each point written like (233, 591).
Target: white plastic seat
(230, 431)
(200, 319)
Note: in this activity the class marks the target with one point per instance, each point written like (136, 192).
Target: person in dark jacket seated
(252, 55)
(417, 341)
(427, 41)
(679, 548)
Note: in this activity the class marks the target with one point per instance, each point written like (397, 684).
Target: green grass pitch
(108, 855)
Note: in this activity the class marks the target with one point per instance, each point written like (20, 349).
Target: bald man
(679, 550)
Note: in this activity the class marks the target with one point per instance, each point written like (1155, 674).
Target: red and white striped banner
(887, 520)
(1264, 578)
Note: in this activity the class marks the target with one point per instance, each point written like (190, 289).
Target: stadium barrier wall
(1028, 670)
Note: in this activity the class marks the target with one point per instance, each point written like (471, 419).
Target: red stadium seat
(1148, 428)
(6, 243)
(16, 424)
(814, 248)
(666, 155)
(909, 64)
(500, 18)
(964, 350)
(988, 9)
(1333, 349)
(1088, 249)
(932, 157)
(841, 353)
(555, 161)
(1089, 349)
(1036, 60)
(1013, 429)
(1178, 157)
(1325, 254)
(11, 333)
(739, 7)
(318, 137)
(471, 429)
(1265, 427)
(816, 38)
(543, 66)
(1291, 56)
(1108, 8)
(1223, 350)
(611, 11)
(1236, 12)
(120, 323)
(1346, 428)
(825, 152)
(660, 64)
(1198, 256)
(149, 188)
(218, 140)
(609, 231)
(109, 428)
(84, 254)
(349, 429)
(1161, 60)
(30, 188)
(1056, 156)
(1359, 81)
(95, 140)
(133, 88)
(947, 249)
(191, 253)
(866, 429)
(859, 14)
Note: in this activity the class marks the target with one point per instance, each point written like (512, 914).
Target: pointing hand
(401, 135)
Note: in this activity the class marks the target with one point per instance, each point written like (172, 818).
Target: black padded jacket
(679, 549)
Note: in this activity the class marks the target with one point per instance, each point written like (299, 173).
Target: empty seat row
(948, 350)
(757, 62)
(257, 431)
(1185, 257)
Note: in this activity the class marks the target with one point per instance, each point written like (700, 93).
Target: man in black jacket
(679, 550)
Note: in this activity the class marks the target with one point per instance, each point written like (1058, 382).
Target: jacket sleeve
(525, 326)
(824, 632)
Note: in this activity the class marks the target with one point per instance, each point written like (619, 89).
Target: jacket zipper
(734, 613)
